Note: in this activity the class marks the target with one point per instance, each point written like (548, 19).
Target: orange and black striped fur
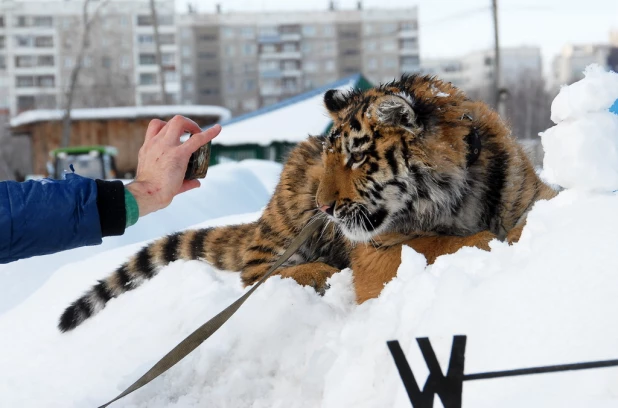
(398, 167)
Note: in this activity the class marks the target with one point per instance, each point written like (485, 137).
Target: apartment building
(475, 70)
(247, 60)
(569, 65)
(39, 43)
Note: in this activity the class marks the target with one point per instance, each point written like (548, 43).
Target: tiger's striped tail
(222, 247)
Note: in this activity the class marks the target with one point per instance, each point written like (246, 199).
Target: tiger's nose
(328, 209)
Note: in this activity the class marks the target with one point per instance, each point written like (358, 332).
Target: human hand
(163, 160)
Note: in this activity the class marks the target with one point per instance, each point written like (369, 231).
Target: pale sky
(454, 27)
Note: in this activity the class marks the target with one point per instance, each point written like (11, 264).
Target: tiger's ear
(335, 100)
(395, 110)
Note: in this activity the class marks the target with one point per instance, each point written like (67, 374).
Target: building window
(207, 55)
(208, 37)
(1, 21)
(2, 42)
(165, 19)
(2, 62)
(310, 66)
(144, 20)
(228, 32)
(186, 51)
(348, 35)
(170, 76)
(328, 47)
(351, 51)
(20, 21)
(290, 47)
(147, 59)
(415, 62)
(167, 39)
(389, 45)
(87, 61)
(371, 45)
(145, 39)
(106, 62)
(187, 70)
(230, 86)
(210, 74)
(209, 91)
(488, 61)
(25, 81)
(187, 86)
(44, 42)
(24, 61)
(306, 47)
(329, 66)
(249, 49)
(249, 68)
(42, 21)
(372, 64)
(230, 50)
(68, 62)
(268, 31)
(124, 21)
(25, 103)
(23, 41)
(147, 79)
(269, 65)
(389, 28)
(168, 59)
(268, 48)
(149, 98)
(328, 30)
(185, 33)
(247, 32)
(290, 65)
(250, 85)
(368, 29)
(125, 61)
(308, 31)
(409, 43)
(46, 81)
(249, 105)
(409, 26)
(389, 62)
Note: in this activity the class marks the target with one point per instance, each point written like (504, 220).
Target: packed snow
(123, 112)
(581, 151)
(550, 299)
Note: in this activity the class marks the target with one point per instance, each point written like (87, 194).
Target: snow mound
(551, 299)
(253, 183)
(581, 151)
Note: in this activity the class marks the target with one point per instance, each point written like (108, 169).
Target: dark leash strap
(207, 329)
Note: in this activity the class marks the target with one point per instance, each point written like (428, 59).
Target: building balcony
(269, 39)
(294, 55)
(409, 52)
(291, 37)
(408, 34)
(292, 73)
(270, 73)
(271, 92)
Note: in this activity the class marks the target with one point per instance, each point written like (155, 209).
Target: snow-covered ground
(550, 299)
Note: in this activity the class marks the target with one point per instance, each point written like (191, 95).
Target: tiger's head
(397, 155)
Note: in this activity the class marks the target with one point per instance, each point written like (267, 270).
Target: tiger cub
(409, 162)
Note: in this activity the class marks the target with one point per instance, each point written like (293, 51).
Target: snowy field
(550, 299)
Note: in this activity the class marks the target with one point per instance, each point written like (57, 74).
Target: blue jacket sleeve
(40, 217)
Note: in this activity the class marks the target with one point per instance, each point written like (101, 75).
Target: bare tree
(86, 22)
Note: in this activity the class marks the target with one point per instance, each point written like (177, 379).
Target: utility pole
(496, 87)
(155, 25)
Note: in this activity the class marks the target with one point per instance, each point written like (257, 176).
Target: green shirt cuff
(130, 204)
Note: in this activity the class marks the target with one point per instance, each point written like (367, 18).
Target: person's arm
(40, 217)
(47, 216)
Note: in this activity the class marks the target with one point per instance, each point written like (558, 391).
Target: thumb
(188, 185)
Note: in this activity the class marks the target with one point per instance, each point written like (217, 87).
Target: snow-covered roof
(288, 121)
(125, 112)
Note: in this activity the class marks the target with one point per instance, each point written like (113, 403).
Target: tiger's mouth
(356, 222)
